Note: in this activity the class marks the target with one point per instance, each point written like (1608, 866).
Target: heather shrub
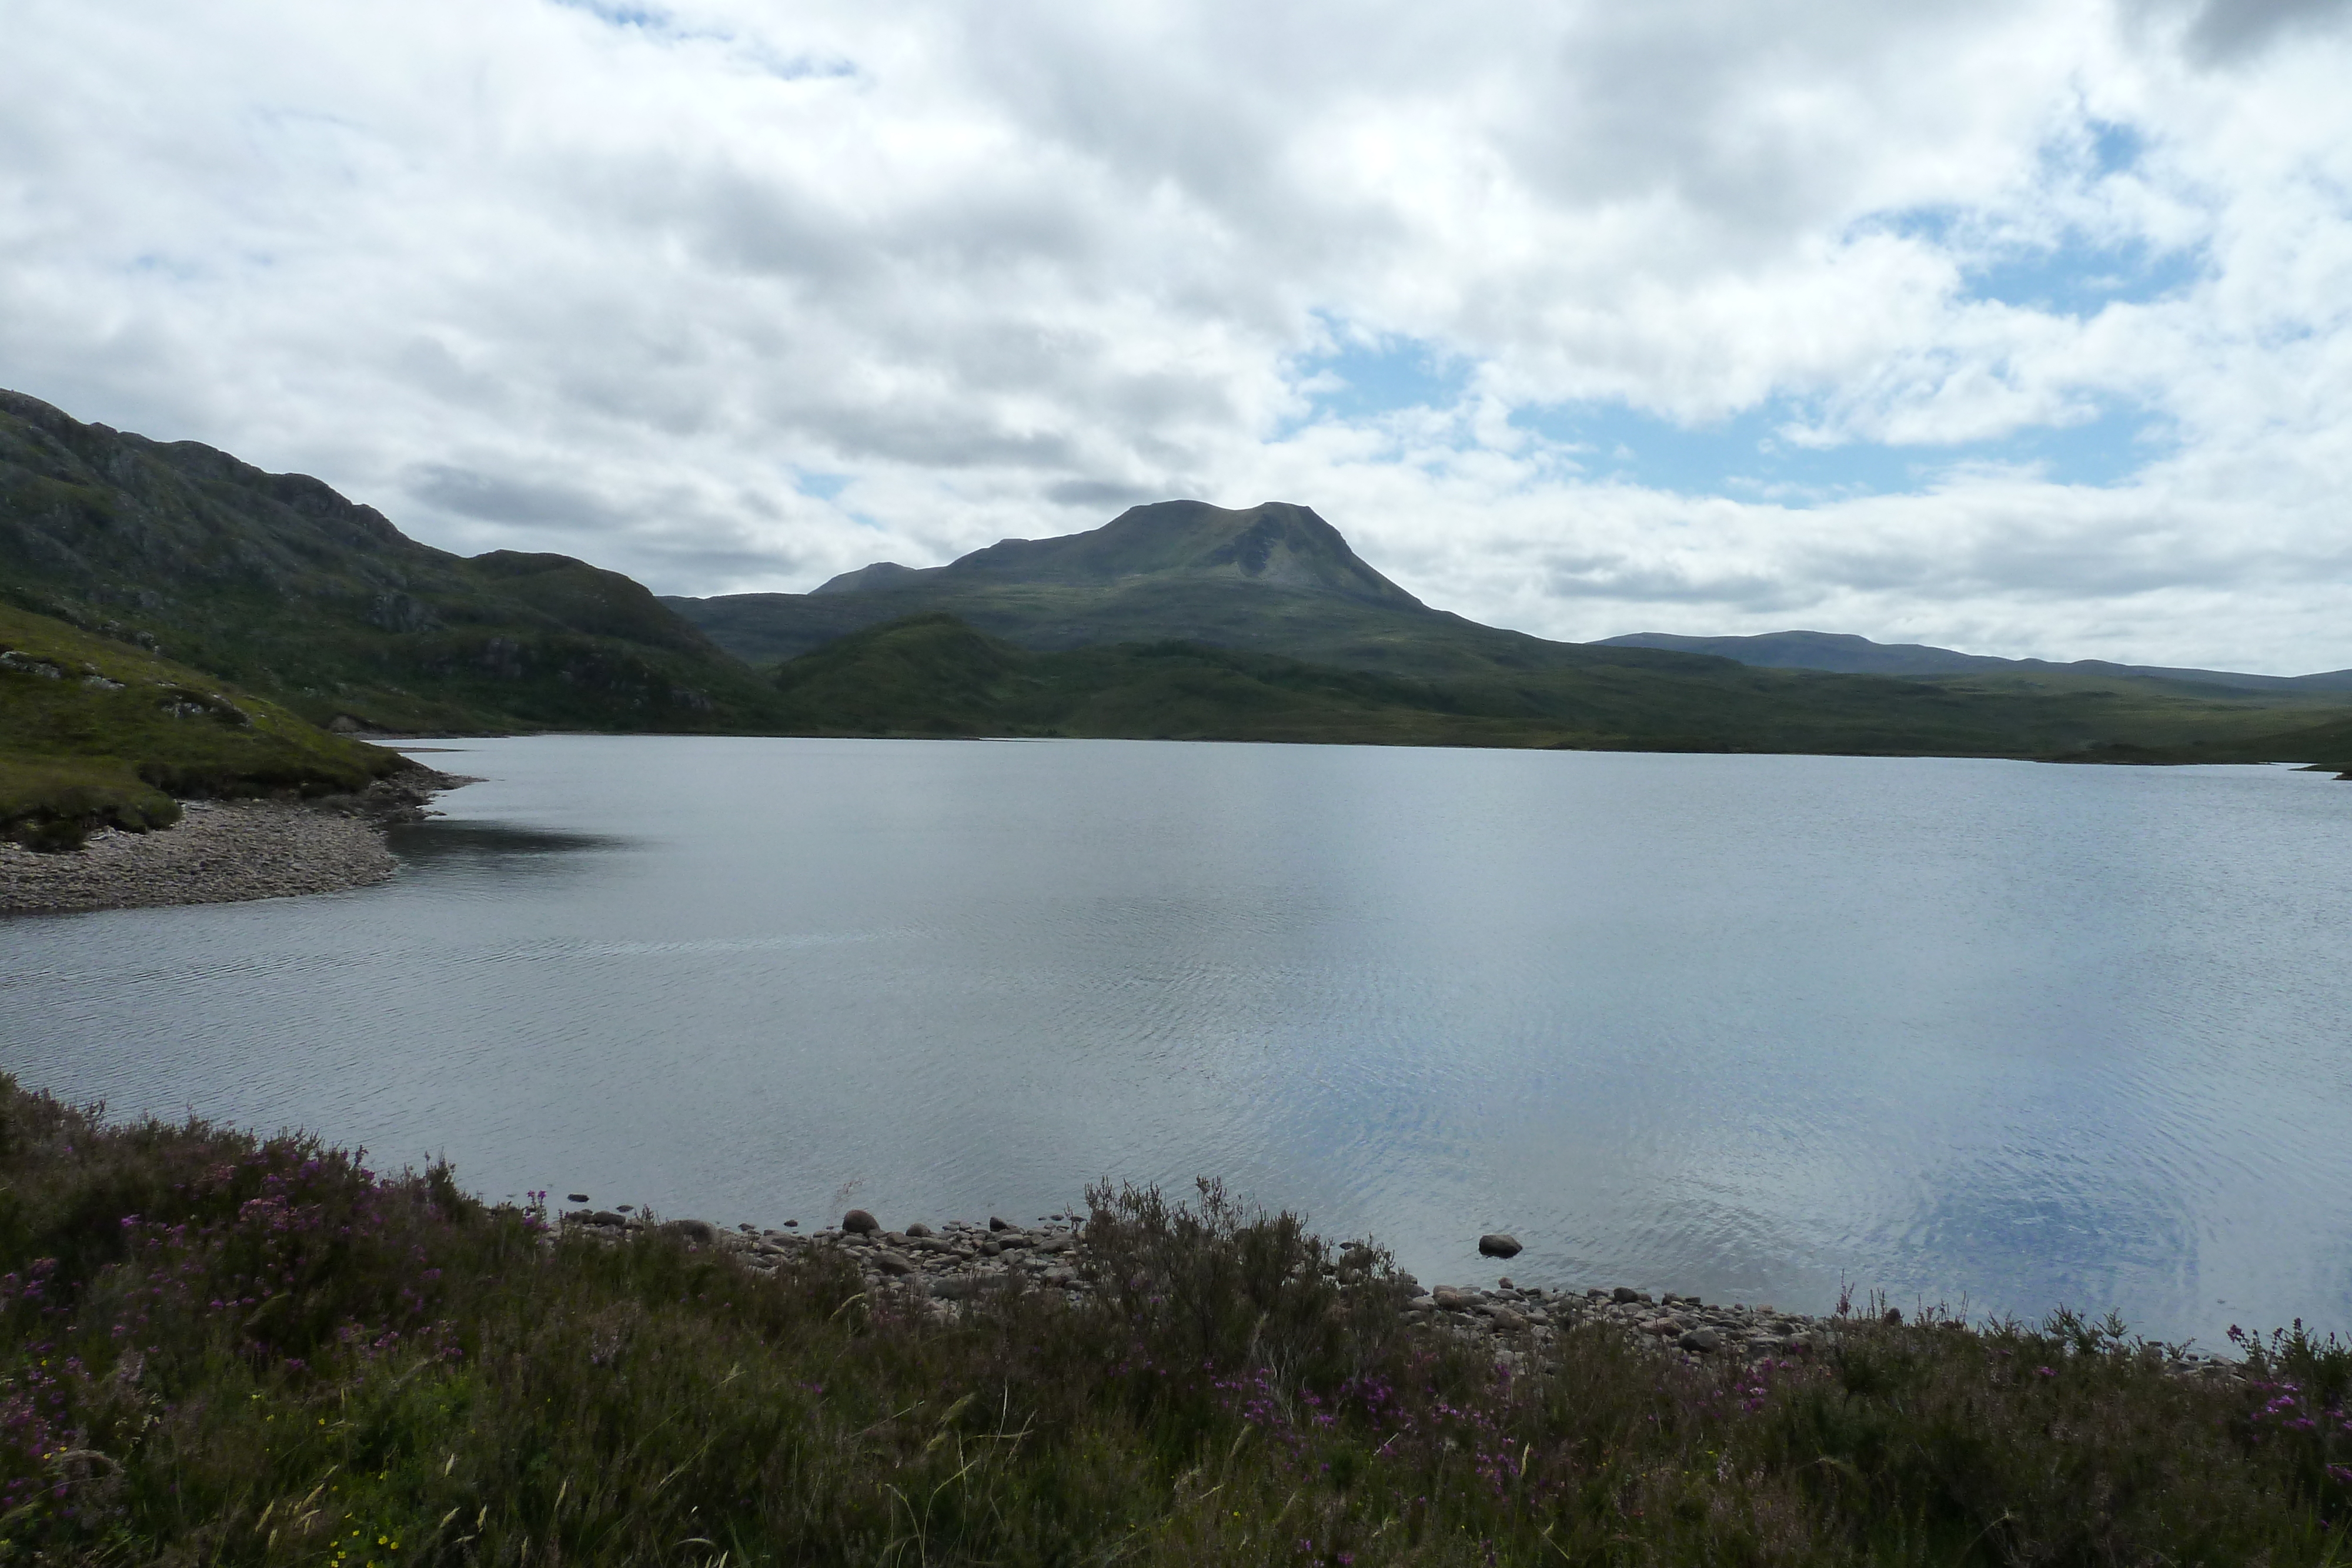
(227, 1349)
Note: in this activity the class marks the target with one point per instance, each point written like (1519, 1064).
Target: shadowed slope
(275, 582)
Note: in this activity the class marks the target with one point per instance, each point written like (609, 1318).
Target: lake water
(1983, 1033)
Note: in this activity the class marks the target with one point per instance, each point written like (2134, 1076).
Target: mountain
(1844, 653)
(280, 585)
(1273, 579)
(1274, 545)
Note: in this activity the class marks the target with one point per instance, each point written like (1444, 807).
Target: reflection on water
(420, 844)
(1752, 1027)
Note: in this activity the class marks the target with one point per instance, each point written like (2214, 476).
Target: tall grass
(229, 1349)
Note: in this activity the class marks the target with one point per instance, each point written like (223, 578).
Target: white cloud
(734, 295)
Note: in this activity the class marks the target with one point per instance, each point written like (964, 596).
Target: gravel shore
(962, 1261)
(224, 852)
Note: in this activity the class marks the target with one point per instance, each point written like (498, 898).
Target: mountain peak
(1276, 543)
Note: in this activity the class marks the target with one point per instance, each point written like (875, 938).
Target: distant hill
(1271, 579)
(274, 582)
(932, 674)
(1844, 653)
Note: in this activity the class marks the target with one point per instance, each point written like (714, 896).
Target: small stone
(1494, 1244)
(1422, 1303)
(894, 1263)
(1624, 1294)
(604, 1216)
(1505, 1283)
(858, 1220)
(1702, 1340)
(1448, 1298)
(575, 1197)
(791, 1225)
(919, 1228)
(996, 1224)
(627, 1207)
(1504, 1319)
(1662, 1327)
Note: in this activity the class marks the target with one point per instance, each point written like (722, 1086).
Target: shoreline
(962, 1261)
(227, 851)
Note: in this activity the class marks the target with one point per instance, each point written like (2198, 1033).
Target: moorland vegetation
(228, 1349)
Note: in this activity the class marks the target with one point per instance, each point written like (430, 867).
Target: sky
(2021, 328)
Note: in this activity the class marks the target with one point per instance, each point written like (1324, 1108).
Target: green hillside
(932, 674)
(274, 582)
(97, 733)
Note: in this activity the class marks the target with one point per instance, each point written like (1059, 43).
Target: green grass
(223, 1349)
(97, 733)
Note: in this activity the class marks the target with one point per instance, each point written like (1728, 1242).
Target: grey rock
(604, 1217)
(1624, 1294)
(695, 1230)
(918, 1229)
(1448, 1298)
(858, 1220)
(996, 1224)
(575, 1197)
(957, 1287)
(1702, 1340)
(894, 1263)
(1494, 1244)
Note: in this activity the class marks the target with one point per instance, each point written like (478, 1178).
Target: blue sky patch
(2082, 279)
(2115, 148)
(823, 486)
(1746, 457)
(1364, 380)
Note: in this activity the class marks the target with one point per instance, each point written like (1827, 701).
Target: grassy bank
(98, 733)
(224, 1349)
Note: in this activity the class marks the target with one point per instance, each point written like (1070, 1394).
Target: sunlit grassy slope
(94, 731)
